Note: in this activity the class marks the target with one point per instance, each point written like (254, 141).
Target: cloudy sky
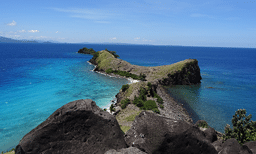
(222, 23)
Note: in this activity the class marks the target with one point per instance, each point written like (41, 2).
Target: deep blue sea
(37, 79)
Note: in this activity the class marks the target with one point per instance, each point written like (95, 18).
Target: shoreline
(171, 103)
(114, 99)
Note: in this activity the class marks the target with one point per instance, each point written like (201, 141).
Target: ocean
(37, 79)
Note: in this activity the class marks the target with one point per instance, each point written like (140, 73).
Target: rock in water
(155, 134)
(77, 127)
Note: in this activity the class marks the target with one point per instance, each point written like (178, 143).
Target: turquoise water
(37, 79)
(35, 87)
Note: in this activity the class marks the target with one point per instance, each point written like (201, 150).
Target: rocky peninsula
(145, 118)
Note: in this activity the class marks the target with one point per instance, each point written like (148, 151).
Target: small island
(145, 119)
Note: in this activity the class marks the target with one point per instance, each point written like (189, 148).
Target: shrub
(111, 108)
(243, 129)
(109, 71)
(124, 103)
(161, 106)
(143, 94)
(149, 105)
(125, 87)
(138, 102)
(156, 110)
(159, 99)
(203, 124)
(105, 109)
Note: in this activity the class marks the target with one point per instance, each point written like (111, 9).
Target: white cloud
(114, 38)
(21, 31)
(57, 31)
(33, 31)
(13, 23)
(137, 38)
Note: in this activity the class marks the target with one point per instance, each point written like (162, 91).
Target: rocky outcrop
(232, 146)
(252, 146)
(77, 127)
(155, 134)
(130, 150)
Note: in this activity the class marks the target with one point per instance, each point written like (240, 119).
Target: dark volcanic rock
(130, 150)
(77, 127)
(191, 141)
(231, 146)
(252, 146)
(210, 134)
(155, 134)
(217, 145)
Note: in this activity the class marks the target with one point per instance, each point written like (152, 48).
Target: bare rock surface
(130, 150)
(156, 134)
(77, 127)
(252, 146)
(231, 146)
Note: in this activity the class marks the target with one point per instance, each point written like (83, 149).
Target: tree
(243, 129)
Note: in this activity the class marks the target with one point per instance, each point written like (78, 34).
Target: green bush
(125, 87)
(161, 106)
(149, 105)
(105, 109)
(243, 129)
(124, 103)
(159, 99)
(111, 108)
(108, 71)
(138, 102)
(203, 125)
(156, 110)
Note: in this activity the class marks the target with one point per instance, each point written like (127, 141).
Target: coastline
(173, 109)
(114, 100)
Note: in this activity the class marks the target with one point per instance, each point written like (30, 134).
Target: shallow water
(37, 79)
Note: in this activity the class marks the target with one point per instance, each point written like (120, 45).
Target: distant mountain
(9, 40)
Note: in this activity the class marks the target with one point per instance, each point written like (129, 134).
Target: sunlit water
(37, 79)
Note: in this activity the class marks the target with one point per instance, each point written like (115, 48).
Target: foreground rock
(77, 127)
(232, 146)
(130, 150)
(155, 134)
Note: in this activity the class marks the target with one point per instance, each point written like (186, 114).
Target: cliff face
(184, 72)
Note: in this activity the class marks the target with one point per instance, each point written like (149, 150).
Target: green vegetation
(111, 108)
(95, 56)
(104, 109)
(132, 117)
(142, 101)
(125, 87)
(86, 51)
(149, 105)
(243, 129)
(163, 71)
(126, 74)
(203, 124)
(124, 103)
(124, 128)
(113, 53)
(161, 106)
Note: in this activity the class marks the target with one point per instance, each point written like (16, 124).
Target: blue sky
(162, 22)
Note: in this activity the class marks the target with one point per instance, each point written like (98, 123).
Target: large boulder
(232, 146)
(77, 127)
(130, 150)
(252, 146)
(155, 134)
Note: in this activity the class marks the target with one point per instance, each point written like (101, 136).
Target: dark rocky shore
(82, 127)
